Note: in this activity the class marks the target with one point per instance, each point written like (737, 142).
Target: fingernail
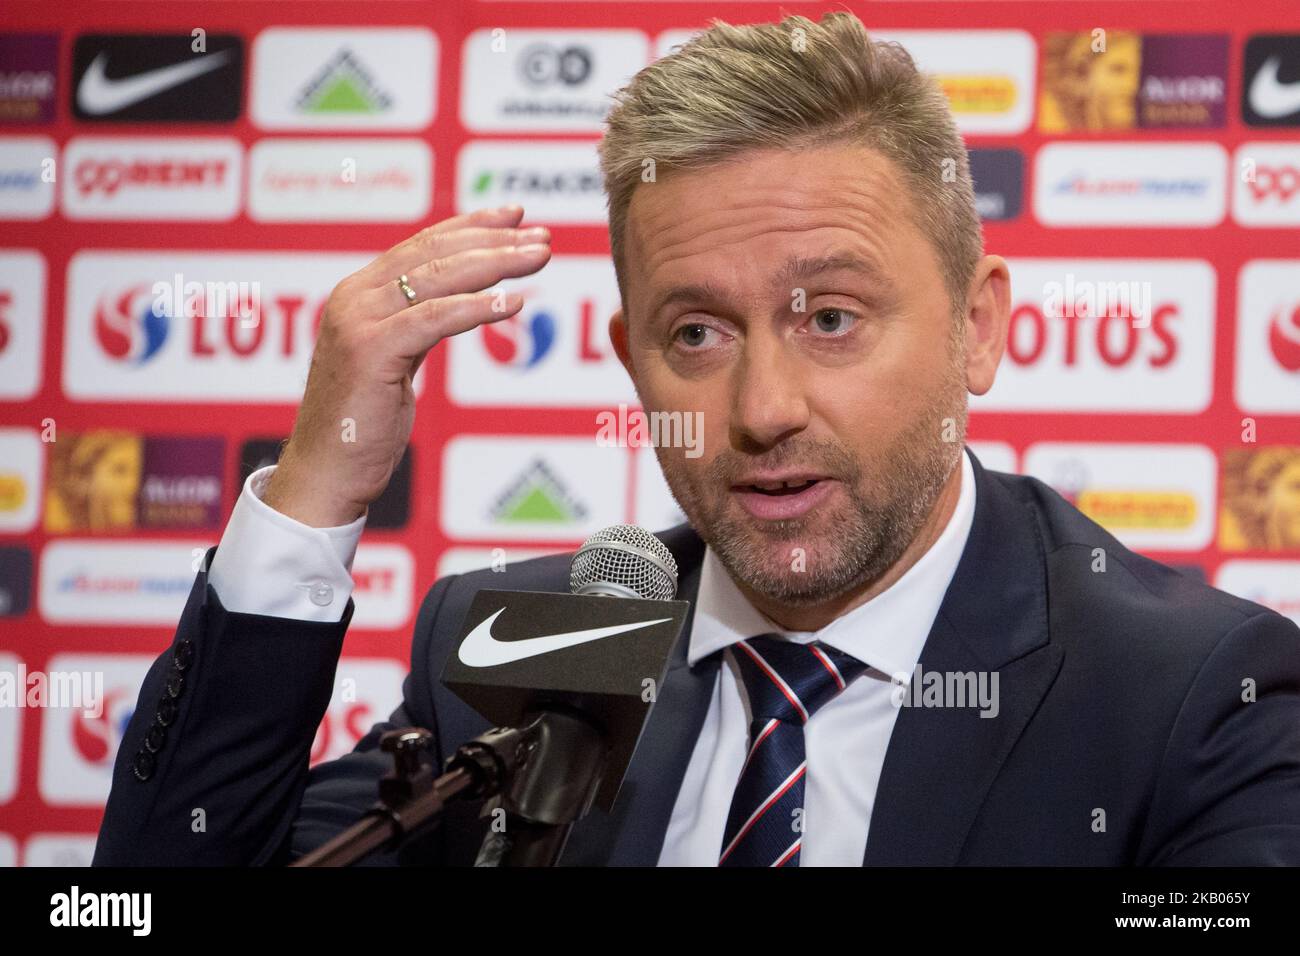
(535, 233)
(533, 248)
(513, 207)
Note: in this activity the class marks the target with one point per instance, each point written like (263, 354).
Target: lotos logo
(1284, 338)
(1113, 335)
(520, 343)
(1117, 335)
(96, 737)
(195, 326)
(129, 328)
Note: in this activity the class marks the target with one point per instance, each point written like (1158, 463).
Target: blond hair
(791, 85)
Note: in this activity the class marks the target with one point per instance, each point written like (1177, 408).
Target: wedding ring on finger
(404, 284)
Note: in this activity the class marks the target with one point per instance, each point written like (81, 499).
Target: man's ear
(988, 317)
(618, 339)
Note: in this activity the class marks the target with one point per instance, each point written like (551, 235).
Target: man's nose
(769, 403)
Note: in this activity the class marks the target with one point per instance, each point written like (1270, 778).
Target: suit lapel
(941, 761)
(632, 834)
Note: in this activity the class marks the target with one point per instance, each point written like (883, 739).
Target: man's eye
(833, 321)
(693, 335)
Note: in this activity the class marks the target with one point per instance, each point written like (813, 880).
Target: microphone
(569, 680)
(624, 560)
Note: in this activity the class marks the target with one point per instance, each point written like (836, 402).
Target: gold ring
(406, 289)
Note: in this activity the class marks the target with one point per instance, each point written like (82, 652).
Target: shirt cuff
(268, 563)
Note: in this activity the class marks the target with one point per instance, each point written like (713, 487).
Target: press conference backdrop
(168, 245)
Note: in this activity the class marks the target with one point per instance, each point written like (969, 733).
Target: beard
(848, 541)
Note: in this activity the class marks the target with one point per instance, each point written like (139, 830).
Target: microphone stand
(544, 777)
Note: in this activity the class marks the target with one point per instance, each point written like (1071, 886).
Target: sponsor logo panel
(1266, 184)
(27, 173)
(15, 581)
(22, 465)
(195, 327)
(554, 351)
(1268, 336)
(554, 81)
(383, 575)
(1270, 88)
(355, 78)
(1260, 510)
(531, 488)
(22, 323)
(999, 178)
(79, 745)
(987, 75)
(1122, 81)
(157, 78)
(110, 481)
(29, 77)
(1153, 497)
(85, 581)
(1107, 335)
(1274, 584)
(554, 182)
(1156, 185)
(340, 180)
(152, 178)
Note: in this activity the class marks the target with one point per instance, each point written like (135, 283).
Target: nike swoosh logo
(481, 649)
(97, 94)
(1269, 97)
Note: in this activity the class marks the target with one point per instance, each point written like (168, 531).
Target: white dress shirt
(268, 563)
(846, 739)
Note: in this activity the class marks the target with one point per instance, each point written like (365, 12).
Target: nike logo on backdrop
(1269, 97)
(97, 94)
(481, 649)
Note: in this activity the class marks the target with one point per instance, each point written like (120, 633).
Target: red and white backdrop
(182, 183)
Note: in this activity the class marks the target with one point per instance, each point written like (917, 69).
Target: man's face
(789, 298)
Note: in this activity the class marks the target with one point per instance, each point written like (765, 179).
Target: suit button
(182, 655)
(175, 684)
(155, 738)
(167, 708)
(143, 765)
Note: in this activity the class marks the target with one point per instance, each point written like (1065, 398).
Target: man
(799, 259)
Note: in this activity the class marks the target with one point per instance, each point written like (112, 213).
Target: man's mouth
(778, 497)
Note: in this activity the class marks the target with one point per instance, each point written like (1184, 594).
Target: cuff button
(321, 594)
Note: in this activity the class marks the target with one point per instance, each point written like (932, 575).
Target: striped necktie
(786, 683)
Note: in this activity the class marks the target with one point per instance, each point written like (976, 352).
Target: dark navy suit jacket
(1144, 719)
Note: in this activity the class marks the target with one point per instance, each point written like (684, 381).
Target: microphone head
(624, 560)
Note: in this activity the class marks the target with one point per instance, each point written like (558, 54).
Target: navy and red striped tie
(786, 683)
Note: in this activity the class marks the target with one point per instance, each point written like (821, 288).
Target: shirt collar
(887, 632)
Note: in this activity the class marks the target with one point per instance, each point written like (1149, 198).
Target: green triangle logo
(537, 505)
(537, 496)
(341, 96)
(343, 86)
